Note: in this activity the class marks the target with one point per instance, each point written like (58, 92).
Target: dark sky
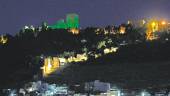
(14, 14)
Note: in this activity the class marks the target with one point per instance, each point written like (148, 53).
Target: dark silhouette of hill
(137, 66)
(20, 51)
(19, 63)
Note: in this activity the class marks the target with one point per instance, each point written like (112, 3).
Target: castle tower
(72, 21)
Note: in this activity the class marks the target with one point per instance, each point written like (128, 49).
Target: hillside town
(65, 60)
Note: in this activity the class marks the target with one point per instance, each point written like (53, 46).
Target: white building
(97, 86)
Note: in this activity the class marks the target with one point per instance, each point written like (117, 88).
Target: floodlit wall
(51, 64)
(59, 25)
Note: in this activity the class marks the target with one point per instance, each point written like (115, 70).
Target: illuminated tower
(72, 21)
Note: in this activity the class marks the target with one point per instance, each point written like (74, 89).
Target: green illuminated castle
(72, 22)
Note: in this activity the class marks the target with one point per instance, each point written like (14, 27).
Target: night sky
(14, 14)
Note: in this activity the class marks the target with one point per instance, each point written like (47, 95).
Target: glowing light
(107, 50)
(78, 58)
(74, 31)
(153, 23)
(144, 93)
(129, 22)
(110, 50)
(122, 30)
(119, 93)
(26, 27)
(143, 22)
(152, 26)
(3, 39)
(163, 22)
(51, 64)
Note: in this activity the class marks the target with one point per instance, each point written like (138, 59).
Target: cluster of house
(53, 63)
(112, 30)
(94, 88)
(98, 88)
(152, 27)
(38, 88)
(110, 50)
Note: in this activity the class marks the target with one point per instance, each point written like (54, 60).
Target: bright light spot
(153, 23)
(163, 22)
(119, 93)
(166, 39)
(143, 94)
(49, 63)
(129, 22)
(143, 21)
(3, 39)
(122, 30)
(74, 31)
(26, 27)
